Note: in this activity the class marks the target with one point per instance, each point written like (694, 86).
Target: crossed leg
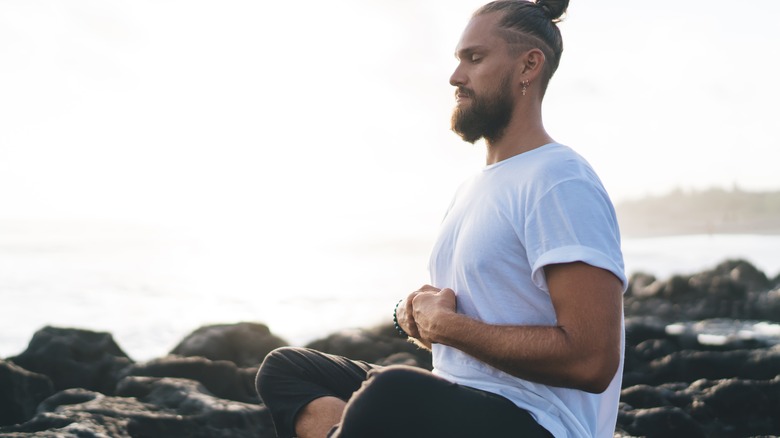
(309, 393)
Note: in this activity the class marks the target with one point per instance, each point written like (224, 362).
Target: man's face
(484, 81)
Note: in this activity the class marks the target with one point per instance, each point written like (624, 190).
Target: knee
(279, 362)
(386, 404)
(393, 380)
(279, 356)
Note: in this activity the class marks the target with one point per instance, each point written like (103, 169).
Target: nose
(458, 78)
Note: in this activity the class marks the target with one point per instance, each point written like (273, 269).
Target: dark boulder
(660, 422)
(69, 425)
(689, 366)
(222, 378)
(737, 407)
(146, 407)
(20, 393)
(644, 397)
(727, 407)
(733, 289)
(743, 273)
(642, 328)
(74, 358)
(185, 405)
(652, 349)
(245, 343)
(61, 415)
(639, 284)
(678, 289)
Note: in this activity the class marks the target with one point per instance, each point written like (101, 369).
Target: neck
(524, 132)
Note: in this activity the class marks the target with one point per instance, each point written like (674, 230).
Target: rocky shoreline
(702, 360)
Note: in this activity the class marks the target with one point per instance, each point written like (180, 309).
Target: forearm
(551, 355)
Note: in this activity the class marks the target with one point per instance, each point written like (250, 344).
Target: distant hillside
(713, 211)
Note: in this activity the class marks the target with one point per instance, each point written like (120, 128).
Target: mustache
(464, 91)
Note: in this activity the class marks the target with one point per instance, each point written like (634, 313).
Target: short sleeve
(573, 221)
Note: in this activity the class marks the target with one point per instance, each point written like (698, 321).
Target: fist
(404, 313)
(431, 308)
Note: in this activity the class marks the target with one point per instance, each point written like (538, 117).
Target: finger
(408, 307)
(428, 288)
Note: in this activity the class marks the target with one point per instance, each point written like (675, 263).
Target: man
(524, 314)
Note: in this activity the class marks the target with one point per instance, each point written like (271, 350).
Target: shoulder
(543, 169)
(562, 162)
(564, 180)
(551, 161)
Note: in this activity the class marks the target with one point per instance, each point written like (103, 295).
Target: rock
(69, 425)
(372, 345)
(660, 422)
(20, 393)
(689, 366)
(765, 305)
(738, 407)
(644, 396)
(222, 378)
(743, 273)
(652, 349)
(188, 406)
(639, 285)
(733, 289)
(685, 352)
(74, 358)
(642, 328)
(245, 344)
(678, 288)
(147, 407)
(727, 407)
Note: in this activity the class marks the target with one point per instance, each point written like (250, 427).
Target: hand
(405, 313)
(430, 309)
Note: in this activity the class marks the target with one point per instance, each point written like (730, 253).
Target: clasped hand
(420, 314)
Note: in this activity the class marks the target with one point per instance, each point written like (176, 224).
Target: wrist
(446, 328)
(397, 326)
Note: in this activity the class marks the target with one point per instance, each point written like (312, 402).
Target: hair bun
(553, 8)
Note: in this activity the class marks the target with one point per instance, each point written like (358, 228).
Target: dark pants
(385, 402)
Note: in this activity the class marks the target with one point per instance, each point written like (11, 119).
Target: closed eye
(471, 54)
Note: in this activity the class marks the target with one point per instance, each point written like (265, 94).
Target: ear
(530, 64)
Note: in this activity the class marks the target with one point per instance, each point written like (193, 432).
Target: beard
(487, 116)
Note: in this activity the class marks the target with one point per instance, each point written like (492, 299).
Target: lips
(463, 93)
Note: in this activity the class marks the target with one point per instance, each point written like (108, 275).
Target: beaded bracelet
(395, 321)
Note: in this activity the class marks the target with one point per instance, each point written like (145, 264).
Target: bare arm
(582, 351)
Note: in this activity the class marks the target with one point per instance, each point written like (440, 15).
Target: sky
(311, 119)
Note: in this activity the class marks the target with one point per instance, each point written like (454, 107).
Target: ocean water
(151, 288)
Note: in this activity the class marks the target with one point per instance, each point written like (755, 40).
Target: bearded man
(523, 313)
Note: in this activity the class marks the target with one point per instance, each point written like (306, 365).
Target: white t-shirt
(537, 208)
